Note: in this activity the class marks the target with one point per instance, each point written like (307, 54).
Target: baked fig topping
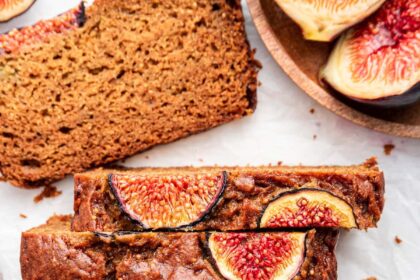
(262, 256)
(12, 8)
(39, 32)
(308, 208)
(322, 20)
(165, 201)
(380, 57)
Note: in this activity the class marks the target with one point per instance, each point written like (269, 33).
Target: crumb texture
(139, 73)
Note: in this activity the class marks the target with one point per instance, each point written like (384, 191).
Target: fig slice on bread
(263, 256)
(167, 201)
(308, 208)
(27, 36)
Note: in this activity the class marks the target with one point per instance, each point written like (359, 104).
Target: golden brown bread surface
(53, 252)
(247, 193)
(139, 73)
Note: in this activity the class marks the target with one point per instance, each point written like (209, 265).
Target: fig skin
(135, 217)
(410, 97)
(323, 20)
(291, 201)
(377, 63)
(257, 255)
(10, 10)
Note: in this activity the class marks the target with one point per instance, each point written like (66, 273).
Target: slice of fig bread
(228, 198)
(52, 251)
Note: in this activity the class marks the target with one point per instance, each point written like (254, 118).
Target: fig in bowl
(323, 20)
(12, 8)
(378, 61)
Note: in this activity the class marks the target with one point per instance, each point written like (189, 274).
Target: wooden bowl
(302, 59)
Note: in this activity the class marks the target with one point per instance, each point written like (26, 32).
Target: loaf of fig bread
(89, 88)
(53, 252)
(228, 198)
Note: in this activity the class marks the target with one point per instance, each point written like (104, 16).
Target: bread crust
(52, 251)
(137, 74)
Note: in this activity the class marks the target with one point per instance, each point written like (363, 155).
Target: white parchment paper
(281, 129)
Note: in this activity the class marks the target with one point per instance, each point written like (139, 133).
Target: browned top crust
(139, 73)
(52, 251)
(241, 205)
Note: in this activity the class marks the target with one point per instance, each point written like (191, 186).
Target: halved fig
(263, 256)
(322, 20)
(380, 58)
(308, 208)
(39, 32)
(165, 201)
(12, 8)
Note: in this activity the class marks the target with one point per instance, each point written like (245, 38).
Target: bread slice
(53, 252)
(142, 199)
(137, 74)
